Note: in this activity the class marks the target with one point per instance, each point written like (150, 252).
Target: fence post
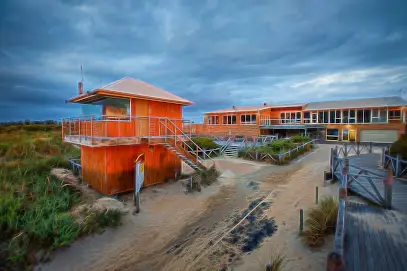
(301, 221)
(316, 195)
(370, 147)
(346, 150)
(383, 157)
(397, 169)
(388, 189)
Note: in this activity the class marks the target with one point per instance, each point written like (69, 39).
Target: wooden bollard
(301, 221)
(335, 262)
(388, 189)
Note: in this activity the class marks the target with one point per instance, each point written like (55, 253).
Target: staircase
(176, 142)
(231, 151)
(194, 165)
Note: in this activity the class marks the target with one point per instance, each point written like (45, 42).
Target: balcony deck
(100, 131)
(269, 123)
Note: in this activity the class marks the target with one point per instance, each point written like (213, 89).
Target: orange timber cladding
(107, 159)
(256, 128)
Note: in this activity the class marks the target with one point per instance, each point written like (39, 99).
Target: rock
(109, 204)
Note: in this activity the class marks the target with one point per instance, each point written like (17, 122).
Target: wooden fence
(394, 163)
(253, 154)
(359, 180)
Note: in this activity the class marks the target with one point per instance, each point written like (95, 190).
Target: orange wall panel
(160, 165)
(93, 161)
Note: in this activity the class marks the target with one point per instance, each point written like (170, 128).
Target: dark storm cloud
(215, 53)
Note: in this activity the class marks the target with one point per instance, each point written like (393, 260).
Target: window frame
(332, 136)
(390, 117)
(250, 117)
(215, 117)
(229, 117)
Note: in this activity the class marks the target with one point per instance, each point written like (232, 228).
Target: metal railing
(267, 121)
(182, 142)
(105, 129)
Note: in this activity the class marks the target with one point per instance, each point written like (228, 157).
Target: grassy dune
(35, 206)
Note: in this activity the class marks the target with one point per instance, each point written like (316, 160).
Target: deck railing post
(80, 133)
(91, 130)
(388, 190)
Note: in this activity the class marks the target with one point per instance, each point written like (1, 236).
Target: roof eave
(128, 95)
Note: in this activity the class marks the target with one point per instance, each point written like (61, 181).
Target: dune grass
(35, 206)
(276, 263)
(320, 221)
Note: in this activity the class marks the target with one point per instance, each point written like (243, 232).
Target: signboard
(138, 180)
(139, 172)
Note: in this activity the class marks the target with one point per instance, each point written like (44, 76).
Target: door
(141, 120)
(378, 136)
(352, 135)
(345, 135)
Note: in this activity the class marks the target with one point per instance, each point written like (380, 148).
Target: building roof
(357, 103)
(134, 88)
(236, 109)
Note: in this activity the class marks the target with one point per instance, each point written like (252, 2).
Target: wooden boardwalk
(363, 188)
(375, 238)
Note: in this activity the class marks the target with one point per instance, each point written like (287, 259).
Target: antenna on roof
(80, 84)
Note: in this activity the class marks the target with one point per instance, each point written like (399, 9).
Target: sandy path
(174, 228)
(141, 242)
(297, 193)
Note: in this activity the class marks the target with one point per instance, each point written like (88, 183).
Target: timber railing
(183, 142)
(357, 148)
(280, 158)
(394, 163)
(118, 130)
(362, 181)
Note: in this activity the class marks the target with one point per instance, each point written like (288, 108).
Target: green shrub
(35, 207)
(320, 221)
(98, 221)
(300, 139)
(205, 143)
(399, 147)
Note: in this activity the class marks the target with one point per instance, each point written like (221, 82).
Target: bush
(320, 221)
(300, 139)
(35, 207)
(399, 147)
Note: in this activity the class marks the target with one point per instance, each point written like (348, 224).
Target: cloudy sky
(217, 53)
